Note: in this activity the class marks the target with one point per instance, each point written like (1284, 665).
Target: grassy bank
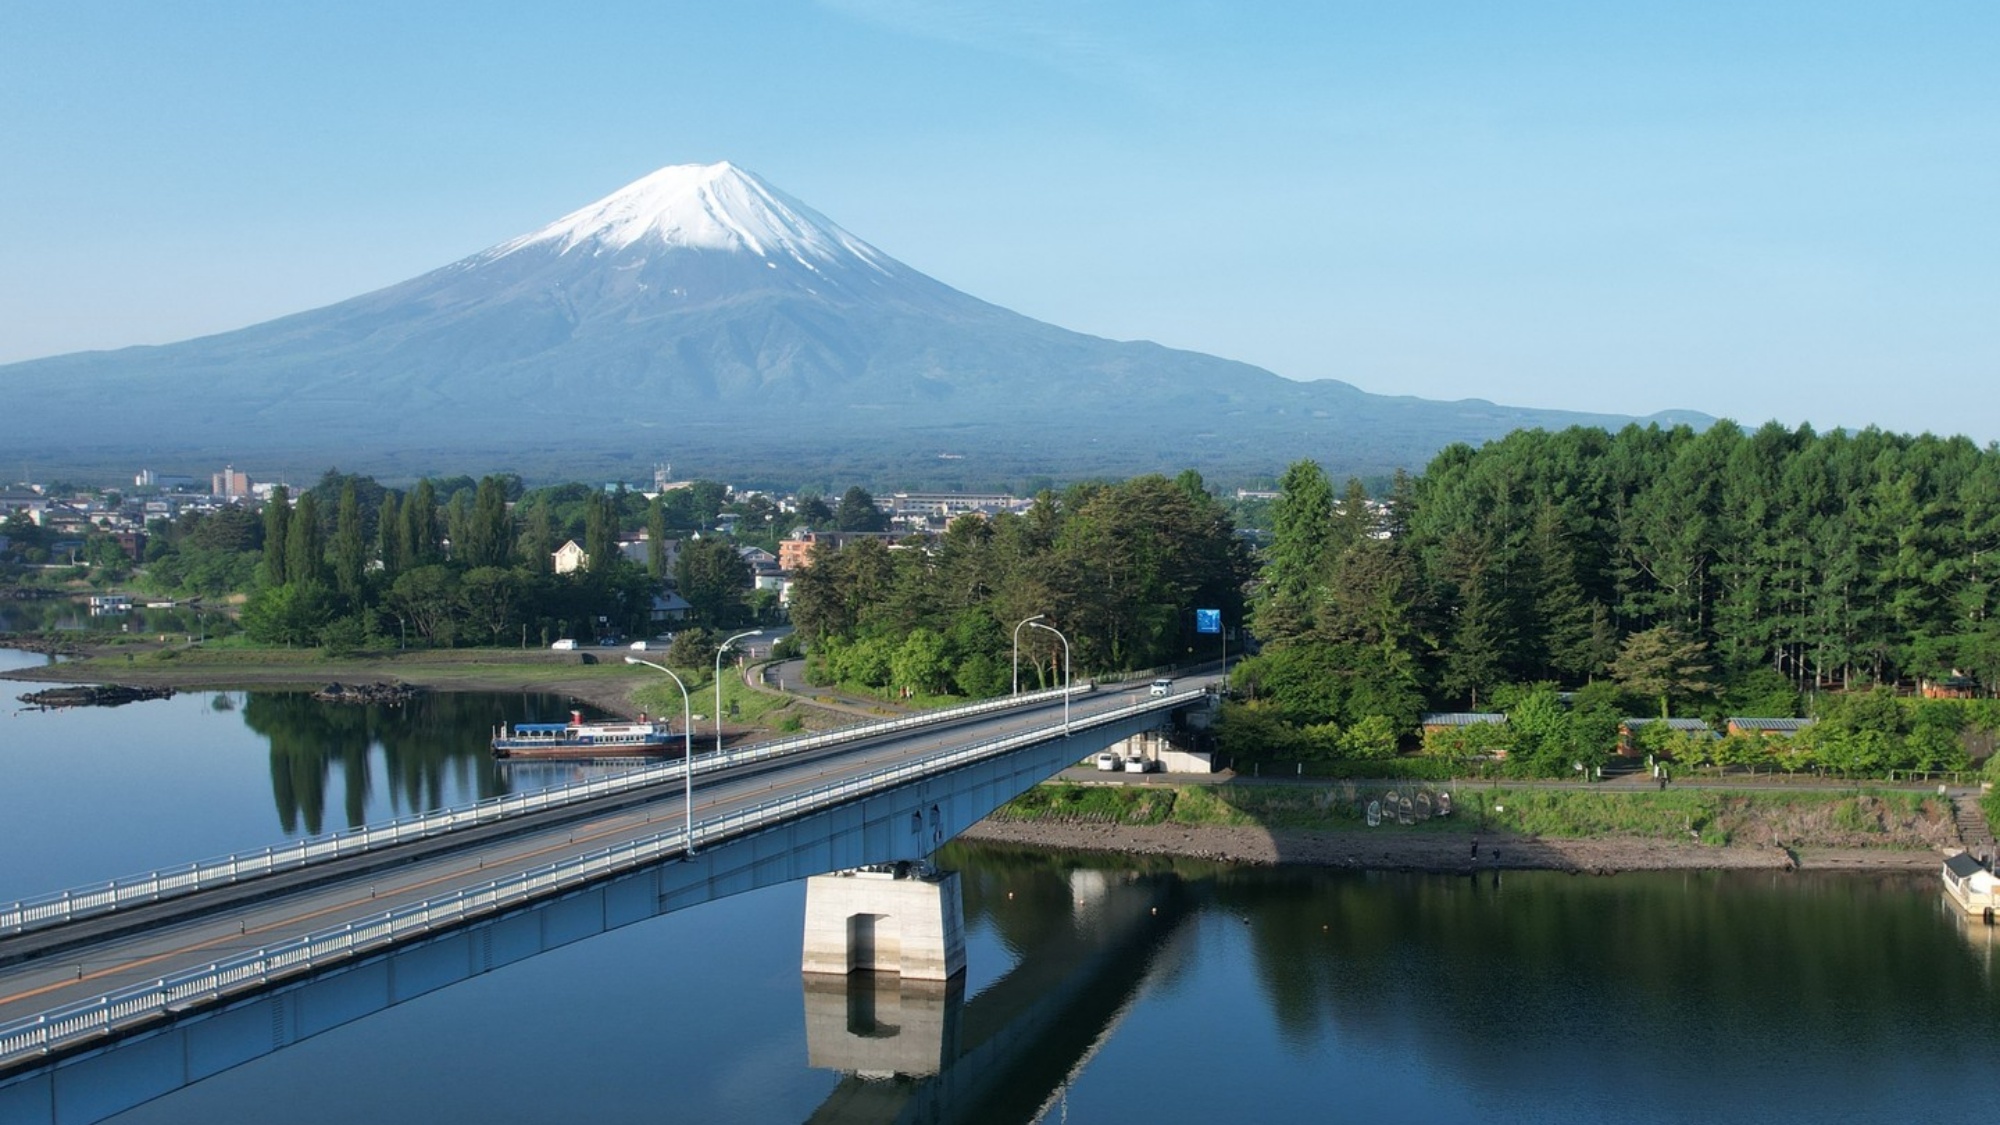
(1868, 819)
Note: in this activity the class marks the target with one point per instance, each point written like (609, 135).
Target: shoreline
(607, 687)
(1435, 853)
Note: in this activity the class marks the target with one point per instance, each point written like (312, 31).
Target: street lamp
(1067, 678)
(1017, 649)
(724, 647)
(687, 743)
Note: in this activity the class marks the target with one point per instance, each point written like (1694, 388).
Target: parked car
(1108, 762)
(1137, 764)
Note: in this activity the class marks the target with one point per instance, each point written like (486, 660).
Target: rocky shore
(1392, 850)
(94, 695)
(393, 695)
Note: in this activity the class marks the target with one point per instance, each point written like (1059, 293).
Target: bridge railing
(757, 817)
(61, 907)
(35, 1036)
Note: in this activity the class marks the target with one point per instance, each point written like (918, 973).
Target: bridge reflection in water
(917, 1052)
(914, 1051)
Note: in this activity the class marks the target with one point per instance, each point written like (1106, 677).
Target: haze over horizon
(1780, 213)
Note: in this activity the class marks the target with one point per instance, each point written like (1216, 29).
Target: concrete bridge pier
(902, 918)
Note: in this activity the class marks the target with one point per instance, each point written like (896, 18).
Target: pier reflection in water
(879, 1026)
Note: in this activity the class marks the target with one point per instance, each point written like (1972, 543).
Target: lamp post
(1017, 648)
(687, 743)
(1067, 678)
(724, 647)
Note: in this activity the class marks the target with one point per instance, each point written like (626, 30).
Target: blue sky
(1758, 210)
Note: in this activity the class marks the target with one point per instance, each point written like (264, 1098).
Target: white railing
(77, 903)
(34, 1036)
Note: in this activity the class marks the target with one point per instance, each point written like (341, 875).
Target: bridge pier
(903, 918)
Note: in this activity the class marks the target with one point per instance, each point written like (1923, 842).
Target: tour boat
(578, 739)
(1972, 885)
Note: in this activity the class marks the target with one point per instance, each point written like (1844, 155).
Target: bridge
(170, 962)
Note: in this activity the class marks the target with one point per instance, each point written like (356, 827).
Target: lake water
(75, 615)
(1150, 991)
(94, 793)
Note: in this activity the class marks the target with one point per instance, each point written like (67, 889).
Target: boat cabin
(1972, 885)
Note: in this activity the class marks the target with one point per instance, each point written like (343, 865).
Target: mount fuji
(702, 316)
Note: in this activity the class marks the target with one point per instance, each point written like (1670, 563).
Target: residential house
(1769, 728)
(570, 558)
(639, 549)
(1433, 721)
(795, 552)
(669, 608)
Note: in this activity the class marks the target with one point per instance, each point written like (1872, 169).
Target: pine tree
(305, 544)
(390, 546)
(1301, 538)
(600, 533)
(421, 542)
(277, 529)
(350, 551)
(656, 539)
(489, 531)
(1663, 663)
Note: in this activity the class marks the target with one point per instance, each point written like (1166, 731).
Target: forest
(351, 564)
(1118, 568)
(1651, 571)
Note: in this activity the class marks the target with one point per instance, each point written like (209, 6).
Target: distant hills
(702, 317)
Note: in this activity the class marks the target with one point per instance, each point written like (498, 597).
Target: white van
(1162, 687)
(1108, 762)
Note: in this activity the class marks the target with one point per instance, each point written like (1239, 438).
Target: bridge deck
(36, 984)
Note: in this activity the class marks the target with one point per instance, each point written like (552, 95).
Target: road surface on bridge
(40, 983)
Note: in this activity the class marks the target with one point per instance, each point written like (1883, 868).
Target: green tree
(1301, 540)
(428, 598)
(305, 543)
(693, 650)
(656, 539)
(350, 549)
(291, 614)
(277, 530)
(857, 512)
(713, 577)
(1661, 664)
(600, 534)
(489, 531)
(490, 603)
(390, 545)
(538, 539)
(921, 664)
(423, 539)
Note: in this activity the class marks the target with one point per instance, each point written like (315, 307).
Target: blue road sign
(1208, 621)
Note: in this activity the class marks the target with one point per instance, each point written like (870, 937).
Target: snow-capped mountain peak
(702, 207)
